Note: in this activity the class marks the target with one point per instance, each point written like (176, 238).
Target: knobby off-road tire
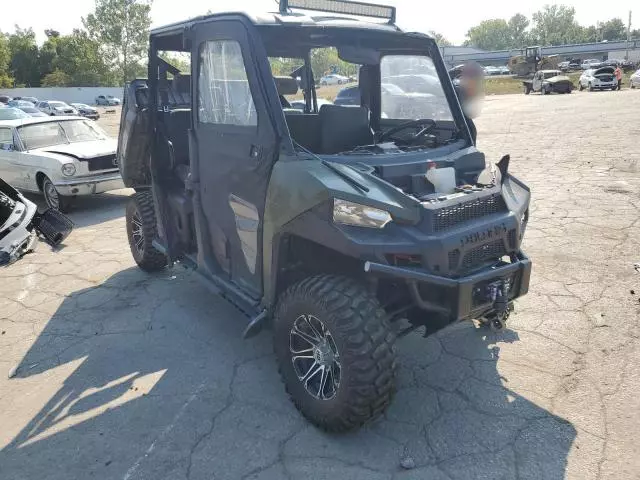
(356, 335)
(141, 230)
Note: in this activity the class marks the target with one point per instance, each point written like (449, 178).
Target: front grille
(402, 260)
(449, 217)
(481, 254)
(106, 162)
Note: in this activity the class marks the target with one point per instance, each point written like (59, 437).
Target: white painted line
(164, 433)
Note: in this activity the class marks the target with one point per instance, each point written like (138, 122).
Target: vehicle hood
(605, 71)
(82, 150)
(557, 79)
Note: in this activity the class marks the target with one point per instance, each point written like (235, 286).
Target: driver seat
(344, 128)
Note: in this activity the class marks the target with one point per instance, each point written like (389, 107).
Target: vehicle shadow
(146, 376)
(92, 209)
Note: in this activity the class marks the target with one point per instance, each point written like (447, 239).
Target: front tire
(335, 351)
(53, 199)
(141, 230)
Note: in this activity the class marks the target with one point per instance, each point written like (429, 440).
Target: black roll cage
(297, 41)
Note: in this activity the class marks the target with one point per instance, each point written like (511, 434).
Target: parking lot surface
(117, 374)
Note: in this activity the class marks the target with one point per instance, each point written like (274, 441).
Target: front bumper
(461, 298)
(90, 185)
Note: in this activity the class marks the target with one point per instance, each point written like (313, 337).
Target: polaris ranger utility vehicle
(341, 227)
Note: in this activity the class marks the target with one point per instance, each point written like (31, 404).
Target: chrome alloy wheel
(315, 357)
(137, 233)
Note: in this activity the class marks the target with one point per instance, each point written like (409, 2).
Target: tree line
(552, 25)
(111, 46)
(109, 49)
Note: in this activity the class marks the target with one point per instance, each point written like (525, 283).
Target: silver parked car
(598, 79)
(56, 108)
(108, 100)
(634, 80)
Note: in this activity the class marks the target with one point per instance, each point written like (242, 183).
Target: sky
(414, 15)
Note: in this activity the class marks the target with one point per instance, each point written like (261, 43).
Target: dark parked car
(33, 100)
(32, 111)
(348, 96)
(86, 111)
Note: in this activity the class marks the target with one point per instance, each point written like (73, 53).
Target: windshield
(12, 114)
(551, 74)
(58, 104)
(40, 135)
(419, 94)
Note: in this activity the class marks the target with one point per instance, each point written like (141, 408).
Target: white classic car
(60, 157)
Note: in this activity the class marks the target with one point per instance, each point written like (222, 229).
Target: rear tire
(355, 350)
(580, 87)
(590, 87)
(141, 230)
(527, 90)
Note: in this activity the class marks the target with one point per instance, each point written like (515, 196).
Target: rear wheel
(580, 86)
(53, 199)
(141, 230)
(590, 87)
(527, 89)
(336, 352)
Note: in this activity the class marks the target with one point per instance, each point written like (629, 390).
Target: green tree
(613, 29)
(24, 64)
(79, 56)
(57, 78)
(122, 28)
(493, 34)
(6, 81)
(556, 25)
(440, 39)
(48, 53)
(518, 25)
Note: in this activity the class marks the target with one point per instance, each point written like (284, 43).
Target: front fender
(297, 186)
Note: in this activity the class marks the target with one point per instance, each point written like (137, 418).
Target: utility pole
(628, 35)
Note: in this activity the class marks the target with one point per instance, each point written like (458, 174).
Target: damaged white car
(21, 225)
(60, 157)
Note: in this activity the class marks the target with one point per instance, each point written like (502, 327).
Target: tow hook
(499, 294)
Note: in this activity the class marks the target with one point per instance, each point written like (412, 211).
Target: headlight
(68, 169)
(349, 213)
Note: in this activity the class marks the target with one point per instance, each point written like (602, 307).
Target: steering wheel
(426, 123)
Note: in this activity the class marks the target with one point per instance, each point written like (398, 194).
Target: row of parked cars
(591, 63)
(32, 107)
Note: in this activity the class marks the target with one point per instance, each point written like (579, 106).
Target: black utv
(341, 227)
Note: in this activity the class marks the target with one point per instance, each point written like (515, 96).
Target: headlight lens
(349, 213)
(68, 169)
